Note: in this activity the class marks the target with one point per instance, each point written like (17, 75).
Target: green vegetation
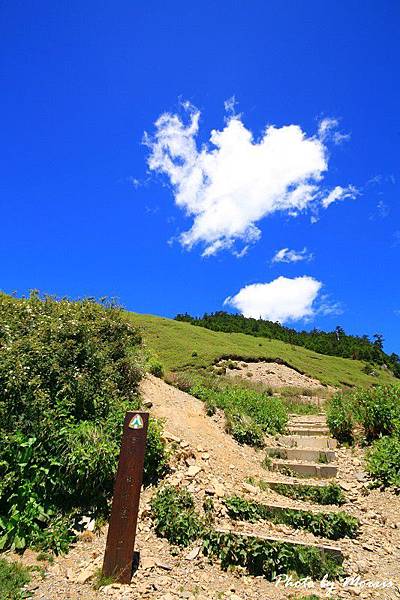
(270, 558)
(383, 462)
(176, 518)
(371, 416)
(68, 373)
(364, 413)
(332, 525)
(250, 411)
(331, 493)
(332, 343)
(181, 346)
(101, 580)
(13, 577)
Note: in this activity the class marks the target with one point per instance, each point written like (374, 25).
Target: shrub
(383, 462)
(340, 417)
(244, 430)
(376, 411)
(175, 516)
(155, 367)
(68, 372)
(176, 519)
(12, 579)
(270, 558)
(331, 493)
(249, 413)
(333, 525)
(379, 409)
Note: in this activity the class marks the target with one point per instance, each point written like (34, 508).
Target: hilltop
(180, 345)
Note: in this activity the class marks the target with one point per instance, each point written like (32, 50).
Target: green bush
(176, 519)
(175, 516)
(12, 579)
(379, 410)
(383, 462)
(374, 411)
(270, 558)
(244, 430)
(155, 367)
(340, 417)
(249, 413)
(332, 525)
(68, 372)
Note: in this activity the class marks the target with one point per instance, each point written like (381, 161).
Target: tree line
(332, 343)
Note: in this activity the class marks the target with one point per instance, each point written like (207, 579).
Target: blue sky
(82, 212)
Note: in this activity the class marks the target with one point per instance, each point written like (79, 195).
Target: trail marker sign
(118, 557)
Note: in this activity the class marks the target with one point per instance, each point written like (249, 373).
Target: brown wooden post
(118, 557)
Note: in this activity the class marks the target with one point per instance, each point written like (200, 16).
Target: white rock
(193, 470)
(193, 553)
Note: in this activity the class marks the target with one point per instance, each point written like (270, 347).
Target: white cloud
(282, 299)
(288, 256)
(228, 186)
(340, 193)
(327, 129)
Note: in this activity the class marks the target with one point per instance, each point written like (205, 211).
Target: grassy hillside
(175, 342)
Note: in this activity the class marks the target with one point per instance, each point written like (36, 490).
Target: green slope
(174, 343)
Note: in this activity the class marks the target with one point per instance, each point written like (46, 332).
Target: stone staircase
(307, 452)
(304, 456)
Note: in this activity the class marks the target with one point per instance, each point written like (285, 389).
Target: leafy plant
(340, 417)
(383, 462)
(332, 525)
(68, 372)
(155, 367)
(331, 493)
(13, 577)
(270, 558)
(249, 413)
(175, 516)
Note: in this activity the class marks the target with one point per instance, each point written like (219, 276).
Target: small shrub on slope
(383, 462)
(68, 372)
(12, 579)
(175, 516)
(249, 414)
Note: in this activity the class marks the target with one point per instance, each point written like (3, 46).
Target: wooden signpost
(118, 557)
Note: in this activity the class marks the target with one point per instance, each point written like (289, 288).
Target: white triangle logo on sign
(136, 422)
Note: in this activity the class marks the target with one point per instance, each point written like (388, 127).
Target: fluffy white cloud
(230, 185)
(288, 256)
(282, 299)
(339, 193)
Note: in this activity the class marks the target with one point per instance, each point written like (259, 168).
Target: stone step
(306, 454)
(310, 431)
(306, 441)
(305, 469)
(332, 551)
(307, 423)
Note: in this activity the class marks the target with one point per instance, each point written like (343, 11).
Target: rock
(148, 404)
(147, 563)
(219, 490)
(193, 470)
(250, 488)
(164, 566)
(193, 553)
(200, 449)
(346, 486)
(86, 574)
(69, 574)
(209, 491)
(168, 596)
(190, 461)
(205, 456)
(170, 437)
(184, 445)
